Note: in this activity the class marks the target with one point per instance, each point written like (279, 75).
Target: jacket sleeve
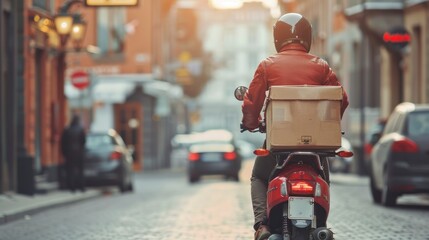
(254, 99)
(332, 80)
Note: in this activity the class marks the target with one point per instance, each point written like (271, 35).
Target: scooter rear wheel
(301, 233)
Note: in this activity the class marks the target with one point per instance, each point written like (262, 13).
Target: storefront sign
(397, 37)
(111, 3)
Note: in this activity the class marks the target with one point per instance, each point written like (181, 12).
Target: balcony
(353, 8)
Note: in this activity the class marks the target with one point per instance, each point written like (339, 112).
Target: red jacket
(292, 66)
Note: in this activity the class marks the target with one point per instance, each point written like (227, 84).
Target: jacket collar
(293, 46)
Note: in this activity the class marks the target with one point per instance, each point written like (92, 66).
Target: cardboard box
(304, 117)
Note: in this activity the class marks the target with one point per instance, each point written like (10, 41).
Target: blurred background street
(153, 81)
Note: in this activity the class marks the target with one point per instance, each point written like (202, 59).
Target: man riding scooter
(292, 65)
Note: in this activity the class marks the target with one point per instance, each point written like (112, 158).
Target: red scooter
(298, 192)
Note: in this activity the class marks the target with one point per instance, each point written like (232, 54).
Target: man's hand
(243, 128)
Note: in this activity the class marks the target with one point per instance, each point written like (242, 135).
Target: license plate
(90, 172)
(211, 157)
(301, 208)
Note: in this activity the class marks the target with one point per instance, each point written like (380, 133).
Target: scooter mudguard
(279, 189)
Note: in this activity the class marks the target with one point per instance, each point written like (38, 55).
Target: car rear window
(94, 141)
(212, 147)
(418, 124)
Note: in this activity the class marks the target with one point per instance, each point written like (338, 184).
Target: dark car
(374, 135)
(400, 159)
(214, 154)
(108, 161)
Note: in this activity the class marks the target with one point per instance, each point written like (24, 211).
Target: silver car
(400, 159)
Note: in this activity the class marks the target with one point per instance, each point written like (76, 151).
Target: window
(110, 30)
(418, 124)
(96, 141)
(43, 4)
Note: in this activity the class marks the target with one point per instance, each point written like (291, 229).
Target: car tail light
(301, 183)
(229, 155)
(405, 145)
(193, 156)
(115, 155)
(368, 148)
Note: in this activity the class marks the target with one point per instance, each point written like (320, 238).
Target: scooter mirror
(239, 93)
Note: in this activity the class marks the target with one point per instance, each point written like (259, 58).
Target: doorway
(128, 123)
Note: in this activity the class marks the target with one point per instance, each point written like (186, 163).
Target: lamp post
(68, 26)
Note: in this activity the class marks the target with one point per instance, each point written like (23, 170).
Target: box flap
(305, 92)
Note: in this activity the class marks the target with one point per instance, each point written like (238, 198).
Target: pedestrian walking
(73, 148)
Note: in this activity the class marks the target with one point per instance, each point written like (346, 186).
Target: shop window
(111, 31)
(43, 4)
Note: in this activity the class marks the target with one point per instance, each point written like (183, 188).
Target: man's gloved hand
(262, 127)
(243, 128)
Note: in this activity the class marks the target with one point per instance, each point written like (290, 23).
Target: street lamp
(67, 25)
(72, 26)
(63, 23)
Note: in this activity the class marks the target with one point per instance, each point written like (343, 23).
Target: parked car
(400, 159)
(108, 161)
(245, 149)
(374, 135)
(214, 154)
(339, 164)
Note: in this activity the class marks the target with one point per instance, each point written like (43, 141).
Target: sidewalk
(15, 206)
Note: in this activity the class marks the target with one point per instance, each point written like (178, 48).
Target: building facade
(9, 81)
(379, 51)
(129, 78)
(35, 69)
(237, 40)
(416, 64)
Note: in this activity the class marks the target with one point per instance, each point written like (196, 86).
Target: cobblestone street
(165, 206)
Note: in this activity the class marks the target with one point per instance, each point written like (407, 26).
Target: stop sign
(80, 79)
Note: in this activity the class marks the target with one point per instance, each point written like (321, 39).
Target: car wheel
(123, 187)
(376, 193)
(235, 177)
(388, 197)
(194, 178)
(130, 187)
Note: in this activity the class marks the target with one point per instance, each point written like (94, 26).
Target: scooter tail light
(301, 183)
(405, 145)
(193, 156)
(345, 154)
(301, 187)
(261, 152)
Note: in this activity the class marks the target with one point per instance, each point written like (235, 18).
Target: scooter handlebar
(261, 128)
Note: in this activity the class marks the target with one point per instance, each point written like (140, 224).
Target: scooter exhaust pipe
(322, 233)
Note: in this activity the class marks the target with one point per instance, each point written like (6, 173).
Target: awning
(115, 89)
